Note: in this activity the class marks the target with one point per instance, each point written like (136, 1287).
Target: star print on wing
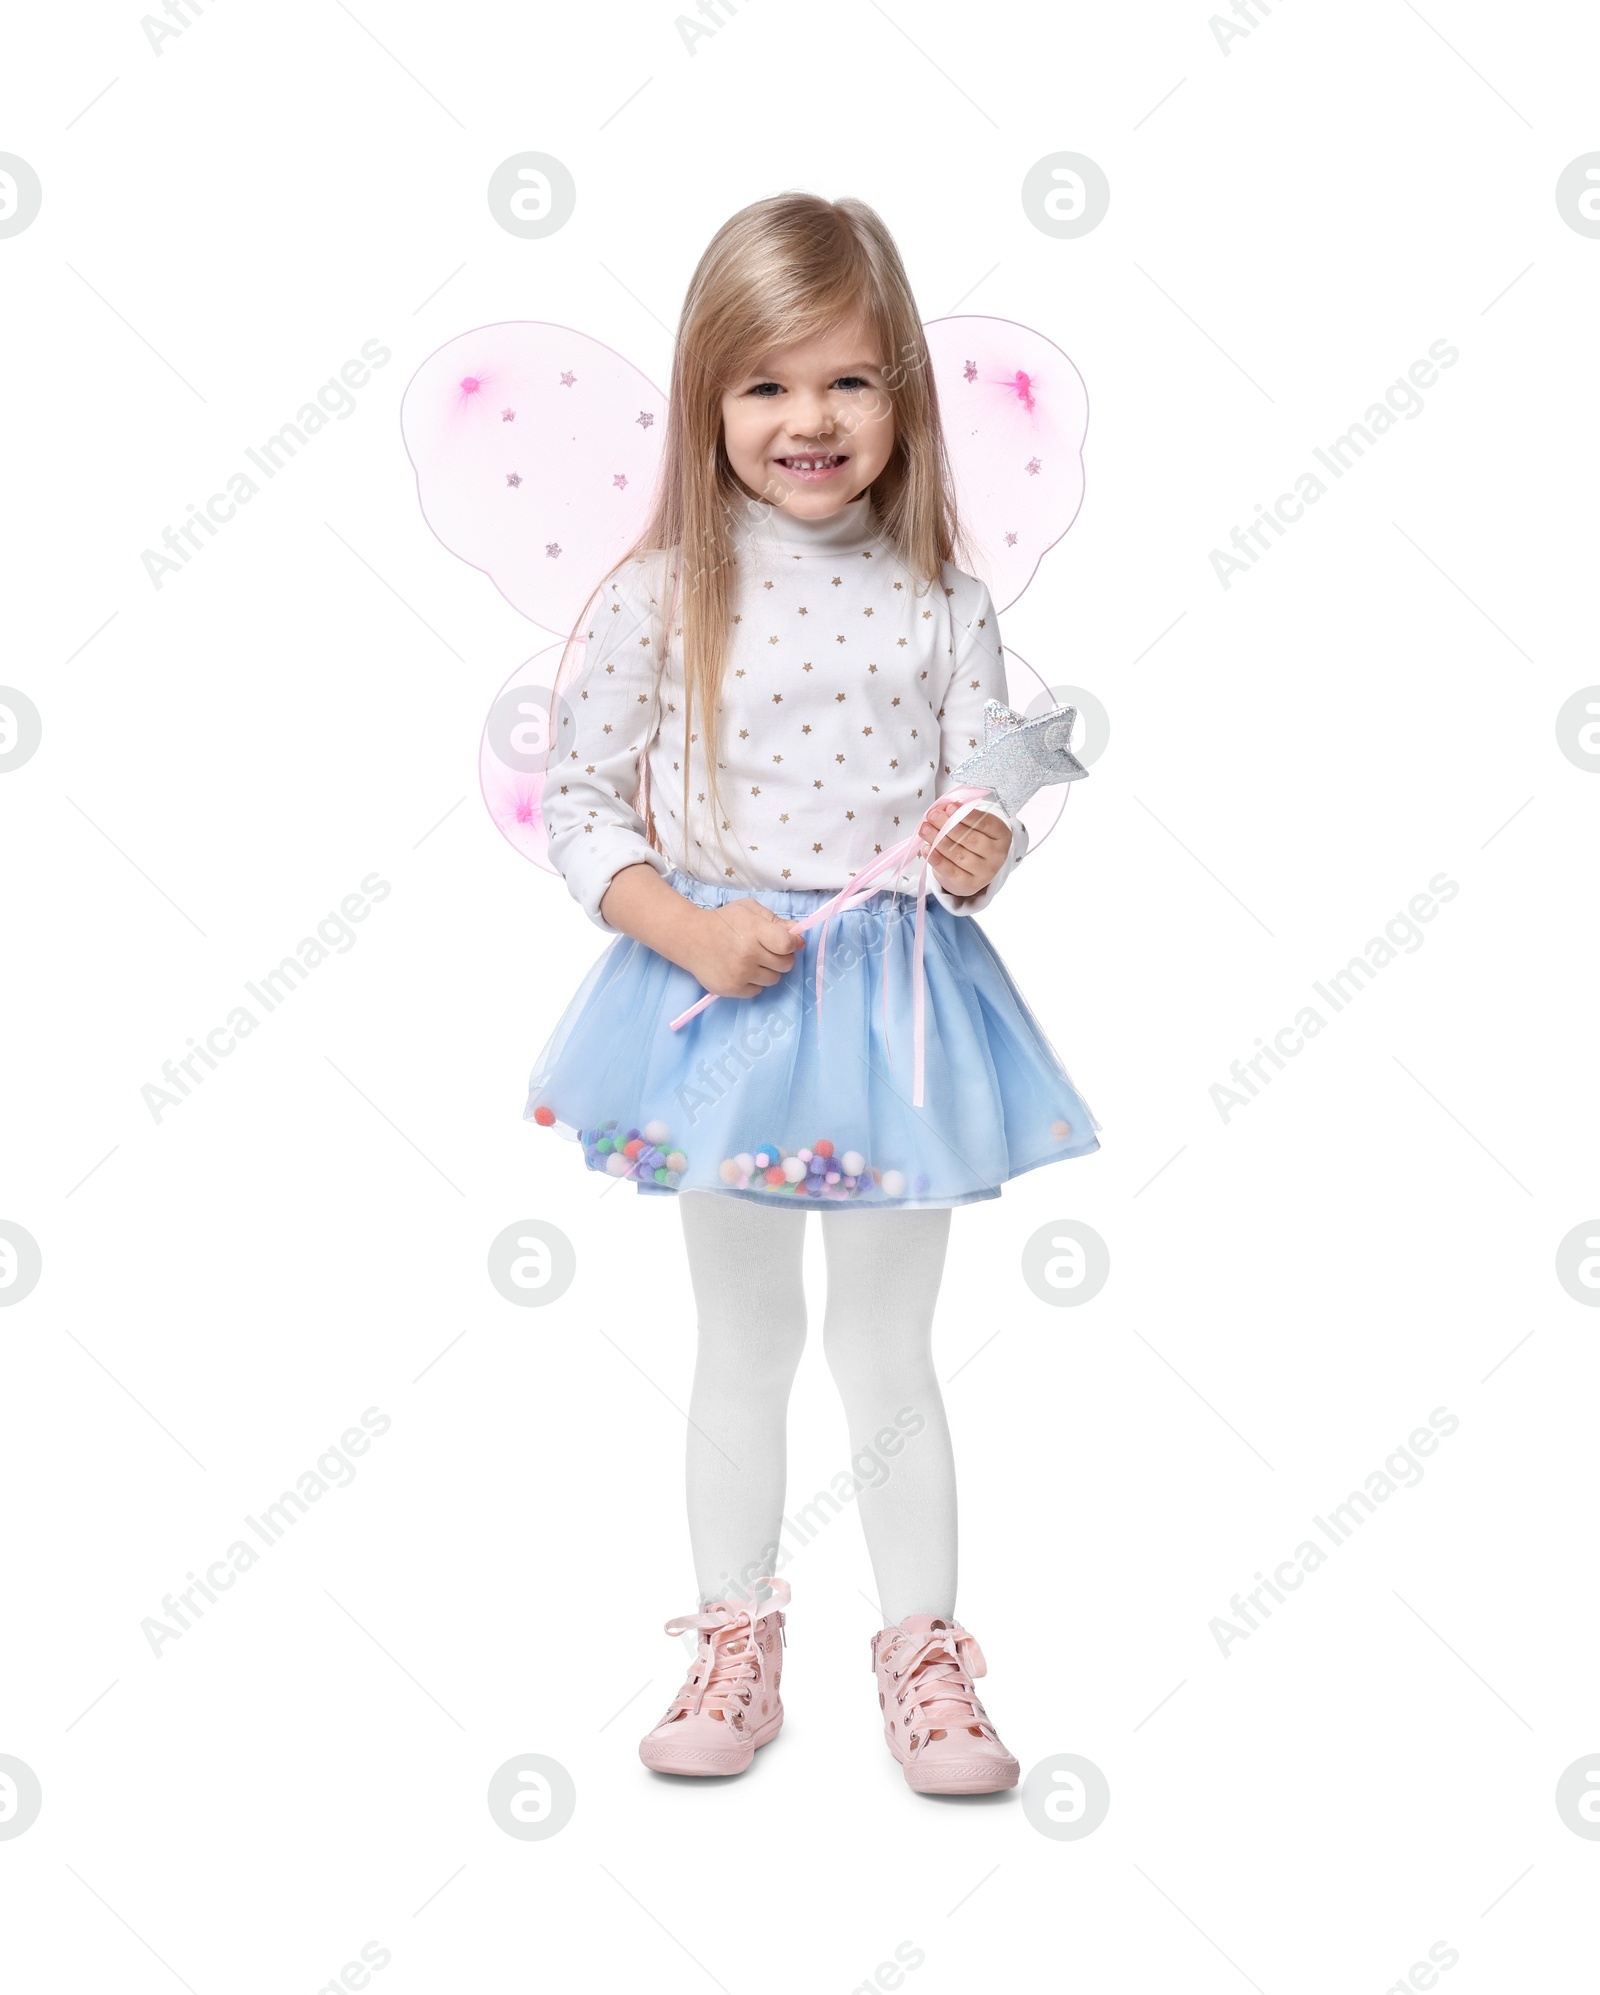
(553, 552)
(513, 478)
(508, 415)
(568, 379)
(1011, 540)
(1033, 467)
(970, 371)
(1020, 756)
(644, 419)
(620, 481)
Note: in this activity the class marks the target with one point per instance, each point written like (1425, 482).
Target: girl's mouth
(812, 469)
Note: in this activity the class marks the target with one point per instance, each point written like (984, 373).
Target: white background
(1292, 224)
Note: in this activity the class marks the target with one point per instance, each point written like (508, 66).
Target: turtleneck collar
(769, 528)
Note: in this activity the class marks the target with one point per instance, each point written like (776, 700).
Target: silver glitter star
(1020, 756)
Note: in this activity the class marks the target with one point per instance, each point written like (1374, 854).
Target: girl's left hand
(966, 861)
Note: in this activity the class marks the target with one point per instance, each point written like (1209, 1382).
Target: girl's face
(811, 425)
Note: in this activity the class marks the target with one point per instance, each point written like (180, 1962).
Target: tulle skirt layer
(761, 1098)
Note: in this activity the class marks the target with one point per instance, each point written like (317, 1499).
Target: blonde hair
(782, 271)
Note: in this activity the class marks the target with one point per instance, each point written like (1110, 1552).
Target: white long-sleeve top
(848, 697)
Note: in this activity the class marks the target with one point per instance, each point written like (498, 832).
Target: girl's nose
(811, 418)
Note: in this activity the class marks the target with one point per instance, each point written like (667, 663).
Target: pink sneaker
(936, 1727)
(729, 1704)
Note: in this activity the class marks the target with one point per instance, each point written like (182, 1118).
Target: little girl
(790, 664)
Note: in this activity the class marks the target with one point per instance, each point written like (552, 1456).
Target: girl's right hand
(741, 948)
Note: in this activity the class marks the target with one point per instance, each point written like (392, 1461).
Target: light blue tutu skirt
(760, 1099)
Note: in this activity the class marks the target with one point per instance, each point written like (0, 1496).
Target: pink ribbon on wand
(968, 796)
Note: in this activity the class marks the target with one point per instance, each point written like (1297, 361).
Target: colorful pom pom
(677, 1161)
(818, 1171)
(545, 1117)
(1060, 1130)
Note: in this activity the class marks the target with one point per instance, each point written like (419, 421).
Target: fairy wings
(537, 449)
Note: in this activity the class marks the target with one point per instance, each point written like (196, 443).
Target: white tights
(884, 1270)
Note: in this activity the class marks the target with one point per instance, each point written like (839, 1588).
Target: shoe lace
(730, 1666)
(936, 1669)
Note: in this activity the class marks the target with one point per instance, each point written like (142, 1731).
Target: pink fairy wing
(536, 451)
(512, 754)
(1015, 413)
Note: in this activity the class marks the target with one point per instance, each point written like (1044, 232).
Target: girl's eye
(762, 388)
